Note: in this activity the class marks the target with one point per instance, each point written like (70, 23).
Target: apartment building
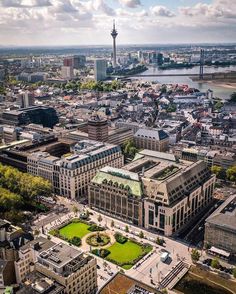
(71, 173)
(166, 193)
(151, 139)
(70, 268)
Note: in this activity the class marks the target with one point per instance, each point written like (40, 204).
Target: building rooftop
(38, 283)
(152, 134)
(59, 255)
(120, 283)
(225, 216)
(157, 154)
(122, 177)
(40, 244)
(87, 151)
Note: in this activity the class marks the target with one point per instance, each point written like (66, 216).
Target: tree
(218, 105)
(99, 218)
(233, 97)
(127, 229)
(141, 234)
(36, 232)
(75, 209)
(215, 263)
(231, 173)
(207, 246)
(171, 108)
(160, 241)
(112, 224)
(129, 148)
(234, 272)
(215, 169)
(87, 213)
(218, 171)
(195, 255)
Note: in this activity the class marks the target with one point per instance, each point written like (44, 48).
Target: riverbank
(201, 281)
(224, 84)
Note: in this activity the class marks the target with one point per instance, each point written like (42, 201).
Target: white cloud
(218, 9)
(33, 22)
(100, 5)
(161, 11)
(130, 3)
(25, 3)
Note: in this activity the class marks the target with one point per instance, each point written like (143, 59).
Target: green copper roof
(135, 186)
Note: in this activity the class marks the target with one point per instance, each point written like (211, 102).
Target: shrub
(75, 241)
(120, 238)
(101, 252)
(215, 263)
(95, 228)
(54, 232)
(141, 234)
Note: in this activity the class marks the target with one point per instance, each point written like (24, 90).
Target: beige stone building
(71, 174)
(70, 268)
(151, 139)
(169, 192)
(117, 192)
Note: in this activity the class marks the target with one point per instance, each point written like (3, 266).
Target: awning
(219, 251)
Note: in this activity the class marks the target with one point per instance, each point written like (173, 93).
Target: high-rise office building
(79, 61)
(67, 72)
(68, 61)
(76, 61)
(25, 99)
(98, 129)
(100, 69)
(114, 34)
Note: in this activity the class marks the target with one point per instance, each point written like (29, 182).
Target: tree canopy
(231, 173)
(17, 188)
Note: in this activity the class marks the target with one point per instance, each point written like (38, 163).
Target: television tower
(114, 35)
(202, 57)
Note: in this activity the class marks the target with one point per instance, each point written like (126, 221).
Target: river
(219, 91)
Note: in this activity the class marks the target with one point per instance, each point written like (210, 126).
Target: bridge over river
(207, 76)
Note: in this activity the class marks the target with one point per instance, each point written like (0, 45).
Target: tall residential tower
(114, 34)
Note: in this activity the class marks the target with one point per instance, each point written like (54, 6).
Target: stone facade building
(156, 191)
(71, 173)
(151, 139)
(117, 192)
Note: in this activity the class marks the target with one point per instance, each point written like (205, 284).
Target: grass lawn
(126, 252)
(74, 230)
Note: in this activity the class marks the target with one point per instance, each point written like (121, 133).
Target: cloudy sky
(88, 22)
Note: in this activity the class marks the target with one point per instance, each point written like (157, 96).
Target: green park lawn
(125, 253)
(74, 230)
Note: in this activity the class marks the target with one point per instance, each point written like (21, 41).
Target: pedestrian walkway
(176, 274)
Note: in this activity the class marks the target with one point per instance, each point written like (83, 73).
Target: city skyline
(80, 22)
